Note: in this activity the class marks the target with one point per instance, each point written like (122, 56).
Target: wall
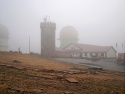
(111, 53)
(63, 54)
(72, 47)
(75, 55)
(65, 42)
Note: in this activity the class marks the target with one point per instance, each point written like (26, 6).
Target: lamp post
(29, 44)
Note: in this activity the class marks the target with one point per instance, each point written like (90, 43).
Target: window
(96, 54)
(85, 54)
(102, 54)
(105, 54)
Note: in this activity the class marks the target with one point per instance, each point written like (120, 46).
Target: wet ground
(30, 74)
(110, 64)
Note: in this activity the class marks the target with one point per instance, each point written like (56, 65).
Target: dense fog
(98, 22)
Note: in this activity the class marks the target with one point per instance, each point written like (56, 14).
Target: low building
(77, 50)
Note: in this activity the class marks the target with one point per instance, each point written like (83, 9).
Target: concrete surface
(110, 64)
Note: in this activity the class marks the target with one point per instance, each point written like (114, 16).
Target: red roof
(91, 48)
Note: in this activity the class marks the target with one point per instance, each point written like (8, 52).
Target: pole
(124, 46)
(29, 44)
(117, 50)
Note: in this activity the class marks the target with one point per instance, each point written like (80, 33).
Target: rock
(72, 80)
(60, 76)
(16, 61)
(49, 77)
(11, 91)
(37, 70)
(3, 65)
(10, 66)
(94, 72)
(16, 89)
(41, 88)
(47, 70)
(95, 68)
(83, 72)
(2, 83)
(67, 92)
(33, 78)
(37, 90)
(19, 67)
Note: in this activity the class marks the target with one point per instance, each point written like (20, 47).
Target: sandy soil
(30, 74)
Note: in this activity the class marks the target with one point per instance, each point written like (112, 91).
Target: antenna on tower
(45, 19)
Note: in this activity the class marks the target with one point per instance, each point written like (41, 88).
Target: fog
(98, 22)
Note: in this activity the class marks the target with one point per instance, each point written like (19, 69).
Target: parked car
(94, 58)
(121, 57)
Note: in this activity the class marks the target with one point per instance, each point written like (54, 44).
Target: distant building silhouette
(3, 38)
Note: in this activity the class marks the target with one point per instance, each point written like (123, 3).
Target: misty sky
(98, 22)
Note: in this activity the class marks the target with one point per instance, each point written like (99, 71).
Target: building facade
(77, 50)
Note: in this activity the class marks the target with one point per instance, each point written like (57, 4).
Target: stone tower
(47, 38)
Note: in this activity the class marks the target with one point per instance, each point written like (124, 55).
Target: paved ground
(110, 64)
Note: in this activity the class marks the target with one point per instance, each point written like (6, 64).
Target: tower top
(47, 23)
(47, 19)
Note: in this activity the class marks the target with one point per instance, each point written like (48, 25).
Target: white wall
(75, 55)
(83, 55)
(72, 47)
(111, 53)
(88, 55)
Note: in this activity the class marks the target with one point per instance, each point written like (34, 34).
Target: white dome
(68, 32)
(68, 35)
